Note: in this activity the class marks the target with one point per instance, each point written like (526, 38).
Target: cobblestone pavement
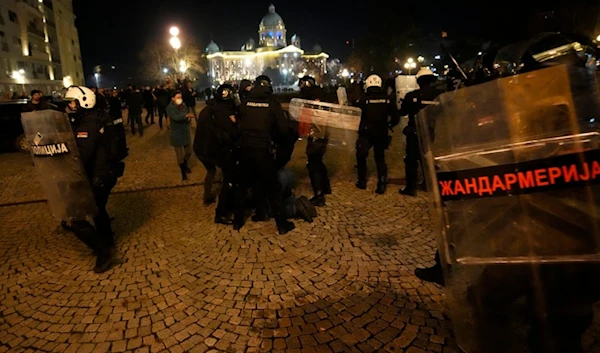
(341, 284)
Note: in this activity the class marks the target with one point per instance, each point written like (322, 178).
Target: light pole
(410, 65)
(176, 44)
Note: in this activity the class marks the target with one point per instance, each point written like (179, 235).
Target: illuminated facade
(39, 46)
(273, 52)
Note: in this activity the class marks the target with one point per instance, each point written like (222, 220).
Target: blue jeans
(286, 180)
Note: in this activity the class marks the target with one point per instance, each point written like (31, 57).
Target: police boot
(381, 186)
(223, 220)
(408, 192)
(361, 184)
(104, 260)
(183, 172)
(285, 226)
(318, 200)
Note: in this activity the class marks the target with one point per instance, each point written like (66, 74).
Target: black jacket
(162, 97)
(285, 145)
(262, 119)
(31, 107)
(379, 113)
(314, 93)
(189, 97)
(225, 131)
(94, 146)
(115, 109)
(135, 102)
(205, 146)
(416, 100)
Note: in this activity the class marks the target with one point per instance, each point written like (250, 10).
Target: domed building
(272, 53)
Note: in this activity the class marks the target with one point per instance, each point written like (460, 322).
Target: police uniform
(94, 144)
(412, 104)
(315, 150)
(261, 120)
(379, 114)
(225, 135)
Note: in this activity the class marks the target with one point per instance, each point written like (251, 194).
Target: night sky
(113, 34)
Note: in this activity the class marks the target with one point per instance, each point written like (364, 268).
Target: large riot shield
(514, 170)
(56, 159)
(337, 123)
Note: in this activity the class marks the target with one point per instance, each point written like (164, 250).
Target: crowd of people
(244, 131)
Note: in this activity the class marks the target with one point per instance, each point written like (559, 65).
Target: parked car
(12, 136)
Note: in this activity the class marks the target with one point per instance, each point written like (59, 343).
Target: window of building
(73, 41)
(2, 37)
(12, 16)
(74, 57)
(2, 20)
(17, 40)
(20, 65)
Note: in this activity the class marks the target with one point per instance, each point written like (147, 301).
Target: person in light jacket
(180, 132)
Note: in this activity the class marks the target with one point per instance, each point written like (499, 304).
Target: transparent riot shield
(56, 159)
(337, 123)
(342, 96)
(514, 165)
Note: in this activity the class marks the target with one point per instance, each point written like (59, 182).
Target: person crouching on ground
(181, 138)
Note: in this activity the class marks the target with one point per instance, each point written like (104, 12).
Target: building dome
(272, 19)
(212, 48)
(317, 49)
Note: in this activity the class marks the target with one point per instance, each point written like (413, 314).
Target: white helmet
(424, 72)
(373, 81)
(85, 96)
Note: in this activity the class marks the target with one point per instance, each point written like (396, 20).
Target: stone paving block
(339, 284)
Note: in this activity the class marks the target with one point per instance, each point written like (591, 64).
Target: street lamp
(182, 66)
(175, 43)
(345, 73)
(174, 31)
(165, 70)
(97, 76)
(420, 59)
(410, 65)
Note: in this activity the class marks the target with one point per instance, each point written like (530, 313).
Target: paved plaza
(344, 283)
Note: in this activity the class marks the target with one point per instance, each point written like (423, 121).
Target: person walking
(181, 139)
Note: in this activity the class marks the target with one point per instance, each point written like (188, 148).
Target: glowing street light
(183, 66)
(165, 70)
(97, 76)
(598, 38)
(175, 43)
(174, 31)
(345, 73)
(410, 65)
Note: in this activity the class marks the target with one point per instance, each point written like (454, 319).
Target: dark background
(114, 32)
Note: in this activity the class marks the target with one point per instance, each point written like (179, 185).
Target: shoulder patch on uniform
(82, 134)
(257, 104)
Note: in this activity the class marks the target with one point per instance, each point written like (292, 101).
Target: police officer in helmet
(94, 145)
(262, 120)
(379, 114)
(317, 145)
(411, 106)
(224, 115)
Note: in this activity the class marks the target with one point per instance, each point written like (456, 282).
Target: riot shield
(514, 168)
(342, 96)
(56, 159)
(337, 123)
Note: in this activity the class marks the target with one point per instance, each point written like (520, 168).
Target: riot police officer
(411, 105)
(316, 146)
(94, 145)
(379, 114)
(262, 119)
(224, 117)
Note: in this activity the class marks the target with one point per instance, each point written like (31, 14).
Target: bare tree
(158, 57)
